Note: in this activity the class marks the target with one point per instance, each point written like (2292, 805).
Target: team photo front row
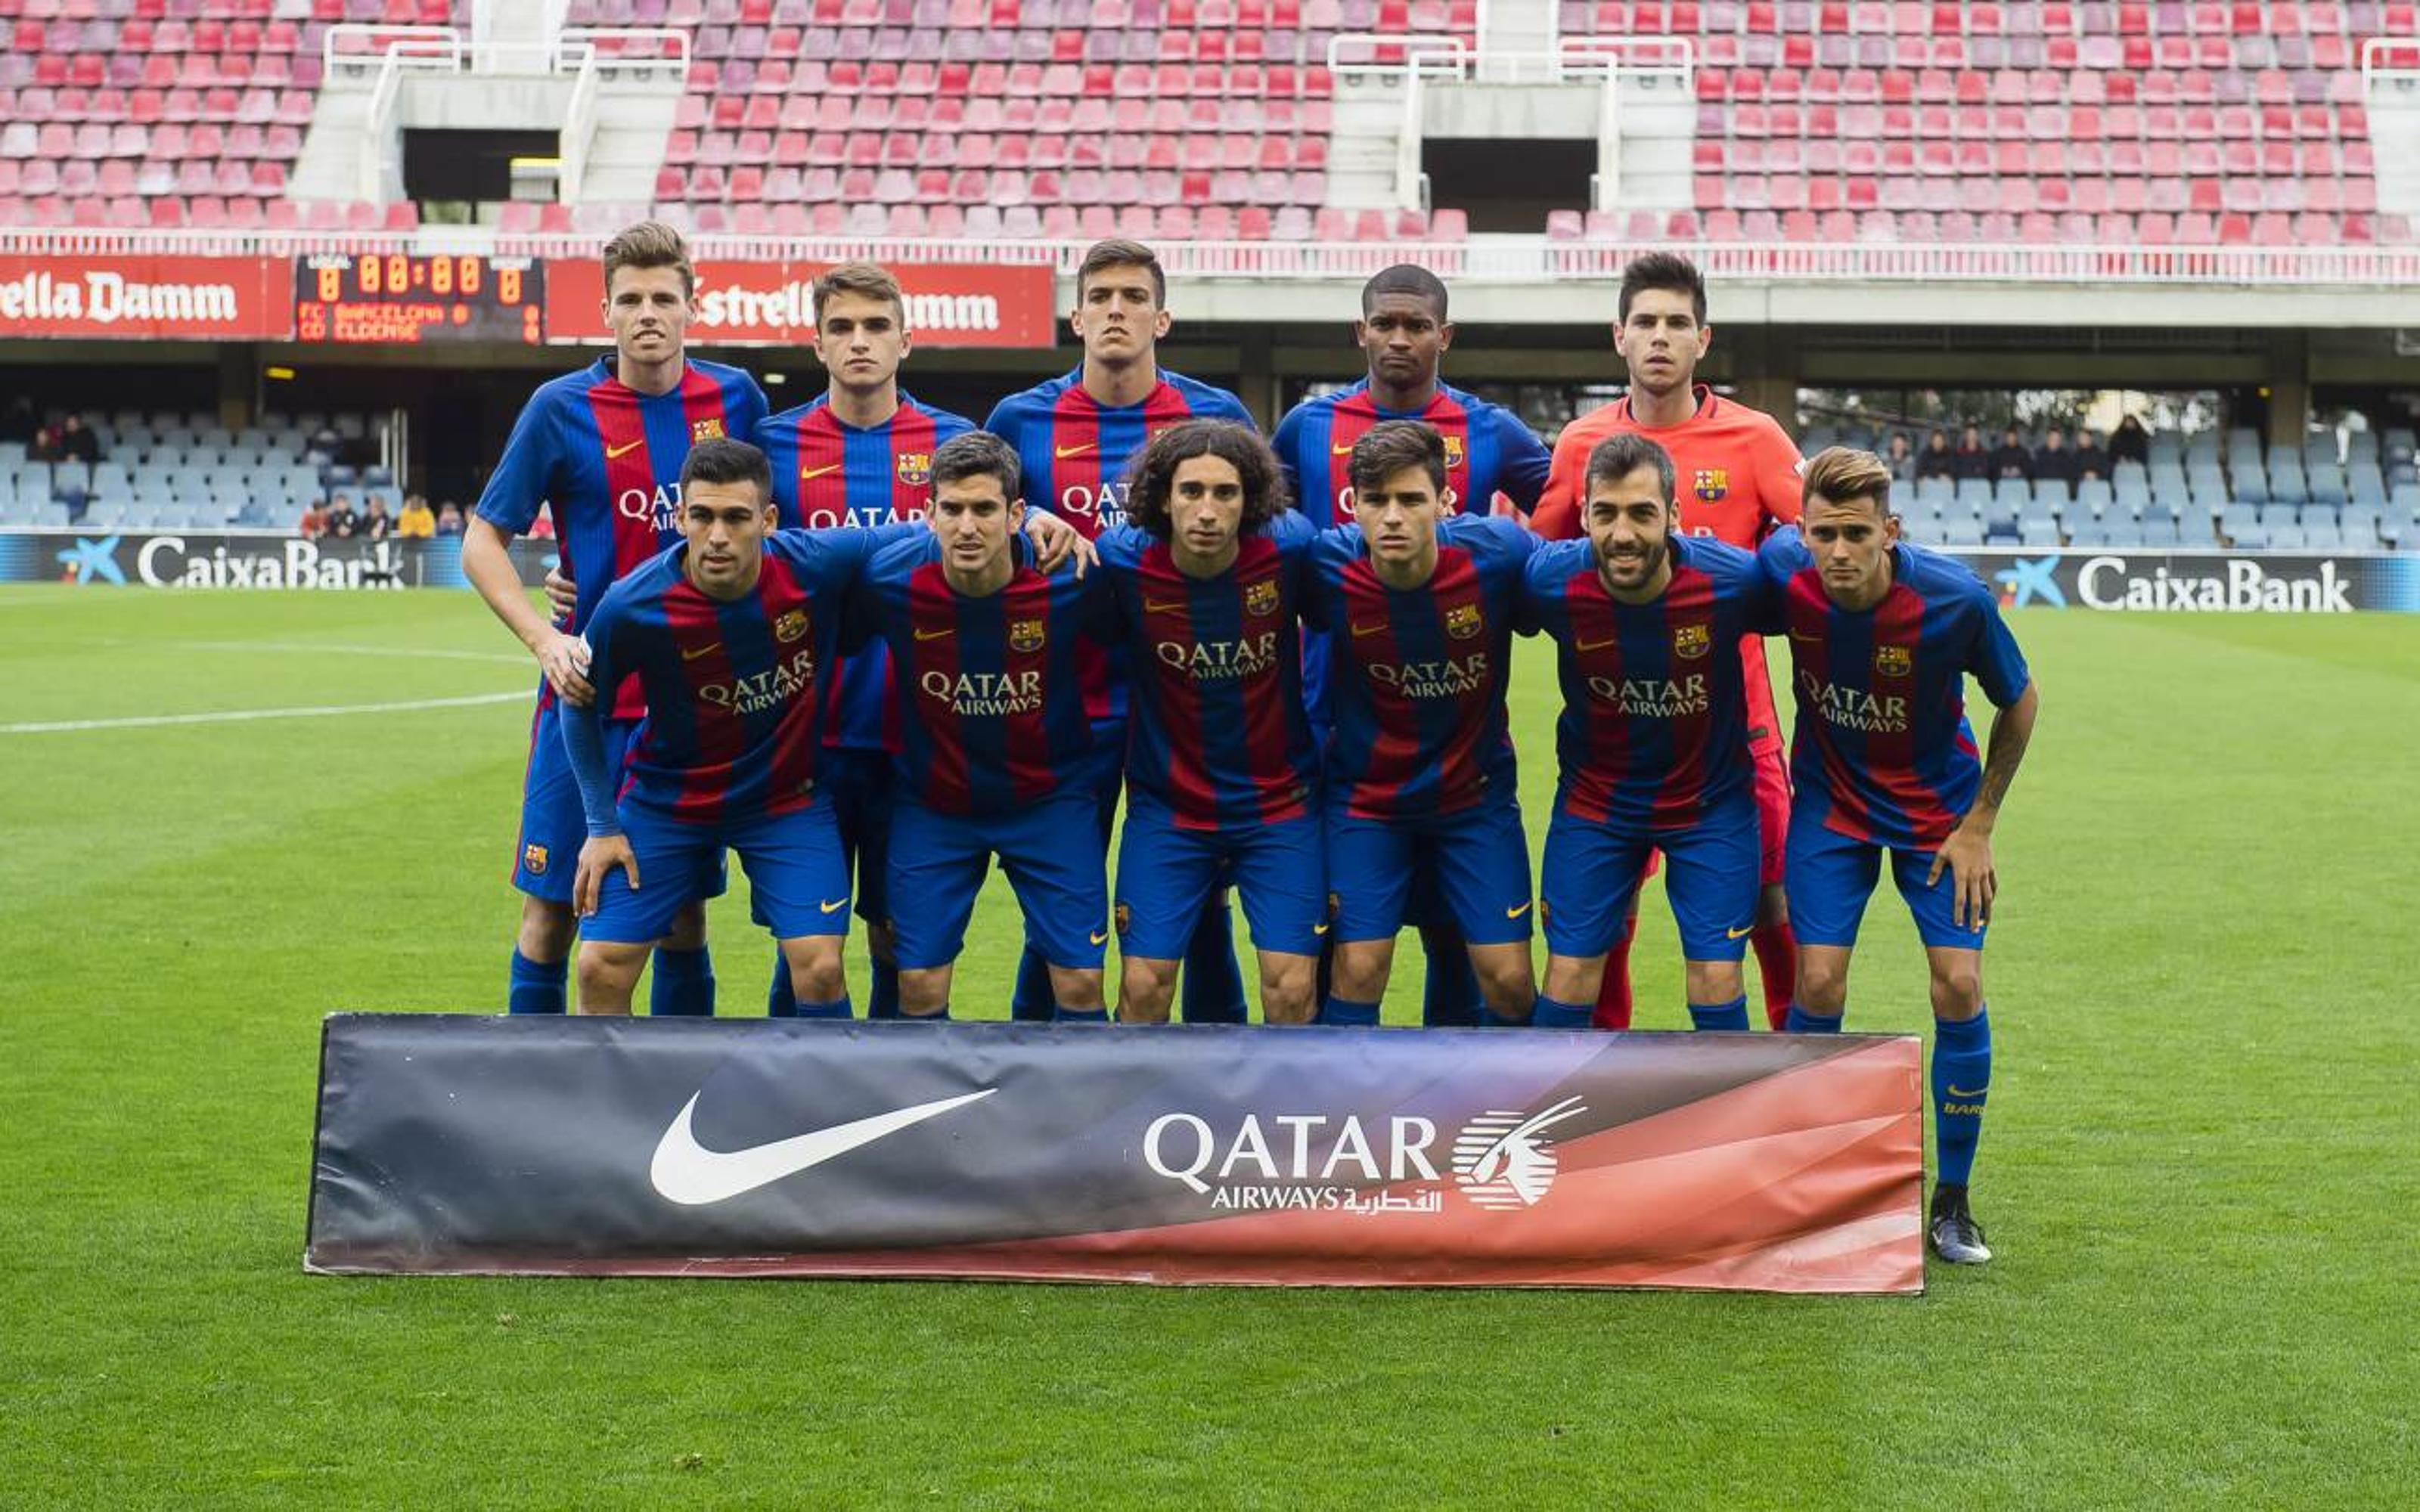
(1336, 818)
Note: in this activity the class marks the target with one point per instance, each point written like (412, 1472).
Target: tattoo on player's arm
(2013, 730)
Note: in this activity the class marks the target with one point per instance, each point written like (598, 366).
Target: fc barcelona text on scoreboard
(390, 299)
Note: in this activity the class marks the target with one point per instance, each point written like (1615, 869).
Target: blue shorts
(1479, 855)
(546, 855)
(1592, 871)
(1052, 852)
(793, 860)
(1829, 876)
(1167, 875)
(859, 783)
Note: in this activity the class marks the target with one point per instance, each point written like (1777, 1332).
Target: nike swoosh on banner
(686, 1172)
(613, 452)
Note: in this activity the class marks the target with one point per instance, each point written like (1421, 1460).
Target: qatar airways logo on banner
(1502, 1159)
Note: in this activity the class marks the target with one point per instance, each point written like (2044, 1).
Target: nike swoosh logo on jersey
(1064, 453)
(933, 635)
(688, 655)
(1154, 606)
(1595, 645)
(1801, 635)
(1368, 629)
(686, 1172)
(1515, 913)
(613, 452)
(1342, 450)
(832, 907)
(811, 474)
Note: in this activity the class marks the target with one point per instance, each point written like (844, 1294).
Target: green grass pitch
(2196, 1169)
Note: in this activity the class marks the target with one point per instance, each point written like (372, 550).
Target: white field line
(326, 648)
(316, 710)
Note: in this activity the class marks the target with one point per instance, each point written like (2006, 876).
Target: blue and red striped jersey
(1488, 451)
(733, 688)
(1653, 731)
(1217, 731)
(1882, 747)
(989, 688)
(605, 461)
(1075, 451)
(1419, 676)
(827, 473)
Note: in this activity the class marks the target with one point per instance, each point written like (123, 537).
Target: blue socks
(882, 997)
(535, 987)
(1032, 1000)
(1552, 1013)
(1450, 998)
(1211, 988)
(780, 1001)
(1060, 1013)
(1801, 1022)
(837, 1008)
(1962, 1073)
(1345, 1012)
(1731, 1016)
(683, 985)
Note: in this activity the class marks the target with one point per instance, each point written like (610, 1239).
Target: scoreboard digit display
(406, 299)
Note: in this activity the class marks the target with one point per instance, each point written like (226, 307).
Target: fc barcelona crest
(1261, 597)
(1893, 661)
(1711, 484)
(705, 430)
(1454, 451)
(915, 469)
(1461, 621)
(792, 624)
(534, 860)
(1691, 640)
(1025, 635)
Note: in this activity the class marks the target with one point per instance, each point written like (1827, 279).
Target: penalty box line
(312, 711)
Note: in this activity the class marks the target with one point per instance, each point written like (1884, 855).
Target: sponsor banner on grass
(1244, 1155)
(138, 297)
(2227, 582)
(771, 303)
(99, 556)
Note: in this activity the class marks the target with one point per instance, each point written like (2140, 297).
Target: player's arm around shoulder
(1523, 462)
(1780, 474)
(1539, 610)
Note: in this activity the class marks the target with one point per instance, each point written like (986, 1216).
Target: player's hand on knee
(1967, 854)
(599, 855)
(564, 661)
(562, 595)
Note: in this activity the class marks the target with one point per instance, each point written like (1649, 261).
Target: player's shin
(1776, 960)
(1213, 982)
(536, 986)
(1718, 995)
(1962, 1074)
(683, 985)
(1030, 1002)
(1613, 1002)
(1450, 993)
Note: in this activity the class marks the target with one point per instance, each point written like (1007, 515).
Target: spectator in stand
(2091, 457)
(449, 519)
(1937, 460)
(342, 523)
(1902, 458)
(416, 523)
(20, 422)
(2131, 443)
(1970, 460)
(45, 445)
(2055, 460)
(2011, 459)
(78, 442)
(378, 524)
(314, 521)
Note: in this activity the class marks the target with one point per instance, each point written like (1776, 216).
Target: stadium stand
(185, 472)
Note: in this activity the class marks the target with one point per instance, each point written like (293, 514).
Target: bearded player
(1738, 480)
(1883, 637)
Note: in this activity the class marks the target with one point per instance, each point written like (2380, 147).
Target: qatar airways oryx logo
(1502, 1159)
